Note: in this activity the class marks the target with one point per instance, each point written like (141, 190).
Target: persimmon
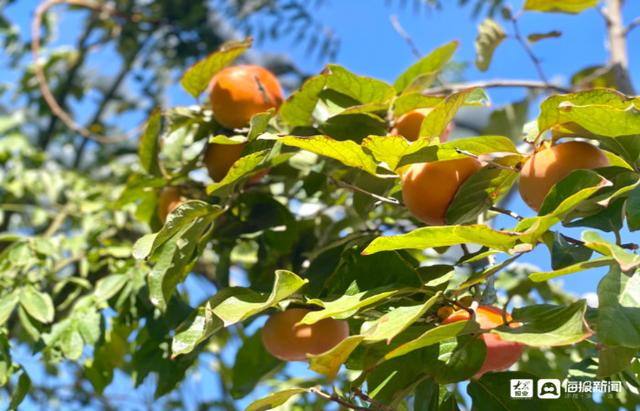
(168, 200)
(239, 92)
(290, 342)
(500, 354)
(548, 166)
(428, 188)
(408, 125)
(218, 158)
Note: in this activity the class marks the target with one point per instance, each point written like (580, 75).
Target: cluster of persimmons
(239, 92)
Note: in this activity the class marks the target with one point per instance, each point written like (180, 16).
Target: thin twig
(527, 48)
(634, 23)
(41, 78)
(479, 158)
(376, 404)
(336, 399)
(497, 83)
(405, 36)
(506, 212)
(351, 187)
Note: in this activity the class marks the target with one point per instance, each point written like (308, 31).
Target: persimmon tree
(333, 239)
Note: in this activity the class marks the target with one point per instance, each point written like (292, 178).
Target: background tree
(93, 279)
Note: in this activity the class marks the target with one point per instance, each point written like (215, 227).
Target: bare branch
(634, 24)
(48, 96)
(351, 187)
(336, 399)
(527, 48)
(618, 55)
(405, 36)
(497, 83)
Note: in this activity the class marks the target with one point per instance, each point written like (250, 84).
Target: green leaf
(429, 65)
(534, 227)
(570, 185)
(8, 303)
(196, 79)
(564, 253)
(396, 321)
(244, 167)
(633, 209)
(109, 286)
(37, 304)
(20, 391)
(570, 269)
(229, 306)
(430, 237)
(618, 321)
(479, 192)
(490, 35)
(238, 308)
(328, 363)
(601, 112)
(71, 343)
(199, 326)
(563, 6)
(150, 144)
(363, 89)
(396, 151)
(297, 110)
(548, 325)
(463, 362)
(344, 306)
(535, 37)
(436, 122)
(252, 363)
(347, 152)
(275, 399)
(612, 359)
(489, 145)
(434, 336)
(628, 261)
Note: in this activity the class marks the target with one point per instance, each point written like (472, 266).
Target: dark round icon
(549, 388)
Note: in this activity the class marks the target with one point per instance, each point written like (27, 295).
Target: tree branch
(45, 136)
(351, 187)
(634, 24)
(527, 48)
(336, 399)
(497, 83)
(405, 36)
(618, 56)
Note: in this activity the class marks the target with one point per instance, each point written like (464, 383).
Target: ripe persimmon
(428, 188)
(548, 166)
(218, 158)
(408, 125)
(290, 342)
(500, 354)
(168, 200)
(239, 92)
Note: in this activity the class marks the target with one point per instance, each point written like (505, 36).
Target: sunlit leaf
(431, 64)
(490, 35)
(441, 236)
(196, 79)
(565, 6)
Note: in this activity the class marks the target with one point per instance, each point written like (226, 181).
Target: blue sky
(370, 46)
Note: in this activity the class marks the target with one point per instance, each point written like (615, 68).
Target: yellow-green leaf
(490, 35)
(196, 79)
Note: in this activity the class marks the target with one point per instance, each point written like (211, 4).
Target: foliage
(94, 282)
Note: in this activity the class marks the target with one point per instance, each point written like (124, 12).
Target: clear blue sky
(370, 46)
